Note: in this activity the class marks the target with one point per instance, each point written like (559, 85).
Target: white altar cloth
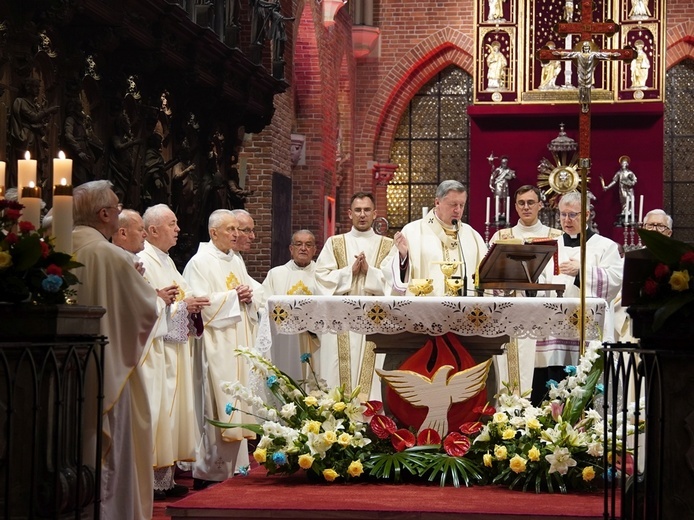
(433, 316)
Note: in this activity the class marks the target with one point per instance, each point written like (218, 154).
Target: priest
(109, 280)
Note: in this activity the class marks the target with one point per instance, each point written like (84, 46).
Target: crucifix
(586, 61)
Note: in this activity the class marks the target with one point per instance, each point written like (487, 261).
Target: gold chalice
(448, 268)
(453, 285)
(421, 286)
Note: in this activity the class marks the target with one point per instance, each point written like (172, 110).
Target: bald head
(131, 231)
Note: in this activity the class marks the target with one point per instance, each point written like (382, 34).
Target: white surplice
(287, 349)
(228, 324)
(602, 279)
(167, 369)
(429, 244)
(108, 279)
(334, 279)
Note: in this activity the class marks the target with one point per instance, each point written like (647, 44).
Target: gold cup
(421, 286)
(453, 286)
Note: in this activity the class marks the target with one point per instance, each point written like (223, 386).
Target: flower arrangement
(556, 446)
(30, 267)
(670, 287)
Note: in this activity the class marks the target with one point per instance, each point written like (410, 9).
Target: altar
(404, 318)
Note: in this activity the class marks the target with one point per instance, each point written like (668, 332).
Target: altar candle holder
(62, 217)
(31, 200)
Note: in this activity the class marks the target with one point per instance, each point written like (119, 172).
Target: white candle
(425, 211)
(487, 213)
(640, 208)
(62, 169)
(31, 200)
(507, 210)
(496, 208)
(2, 179)
(26, 173)
(62, 217)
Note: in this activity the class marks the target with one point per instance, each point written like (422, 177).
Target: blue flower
(551, 383)
(279, 458)
(306, 357)
(52, 283)
(600, 388)
(244, 470)
(229, 408)
(570, 369)
(271, 380)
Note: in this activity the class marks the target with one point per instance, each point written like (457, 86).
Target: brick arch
(419, 65)
(680, 43)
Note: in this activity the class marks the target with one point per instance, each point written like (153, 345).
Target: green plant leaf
(255, 428)
(665, 249)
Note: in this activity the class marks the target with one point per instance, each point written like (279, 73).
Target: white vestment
(167, 368)
(287, 349)
(228, 324)
(428, 244)
(526, 346)
(602, 279)
(351, 365)
(108, 279)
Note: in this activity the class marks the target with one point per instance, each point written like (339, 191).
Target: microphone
(456, 225)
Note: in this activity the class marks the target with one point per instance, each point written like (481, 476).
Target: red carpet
(259, 496)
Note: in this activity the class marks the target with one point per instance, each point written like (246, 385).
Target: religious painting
(329, 218)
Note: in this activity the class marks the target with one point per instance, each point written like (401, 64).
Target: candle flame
(27, 155)
(61, 155)
(31, 183)
(63, 181)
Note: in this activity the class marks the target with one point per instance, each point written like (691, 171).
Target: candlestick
(31, 200)
(487, 213)
(62, 168)
(62, 217)
(425, 211)
(2, 179)
(26, 173)
(640, 208)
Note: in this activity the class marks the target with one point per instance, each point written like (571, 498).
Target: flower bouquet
(30, 267)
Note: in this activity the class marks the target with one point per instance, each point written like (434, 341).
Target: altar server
(109, 280)
(349, 264)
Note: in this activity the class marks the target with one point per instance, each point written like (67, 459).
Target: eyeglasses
(655, 227)
(118, 207)
(569, 216)
(307, 245)
(247, 230)
(526, 203)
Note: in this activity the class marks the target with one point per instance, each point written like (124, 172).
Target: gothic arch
(446, 47)
(680, 43)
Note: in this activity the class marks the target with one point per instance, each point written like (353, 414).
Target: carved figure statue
(568, 10)
(121, 161)
(550, 71)
(184, 189)
(640, 66)
(90, 67)
(501, 175)
(157, 188)
(625, 179)
(639, 10)
(496, 10)
(496, 67)
(83, 146)
(278, 32)
(586, 61)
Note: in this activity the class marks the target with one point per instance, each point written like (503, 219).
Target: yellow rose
(260, 454)
(344, 439)
(330, 437)
(500, 418)
(313, 427)
(588, 473)
(500, 452)
(487, 459)
(305, 461)
(355, 468)
(533, 423)
(330, 474)
(508, 434)
(339, 406)
(679, 281)
(517, 464)
(311, 400)
(534, 454)
(5, 260)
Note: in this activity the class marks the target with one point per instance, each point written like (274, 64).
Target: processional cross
(586, 60)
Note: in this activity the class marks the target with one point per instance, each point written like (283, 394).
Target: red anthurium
(470, 428)
(427, 437)
(54, 269)
(456, 444)
(402, 439)
(383, 426)
(372, 408)
(484, 410)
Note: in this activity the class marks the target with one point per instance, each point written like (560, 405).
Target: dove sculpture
(439, 392)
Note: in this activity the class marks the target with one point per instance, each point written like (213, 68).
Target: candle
(62, 217)
(640, 208)
(425, 211)
(496, 208)
(2, 179)
(26, 173)
(507, 209)
(487, 213)
(62, 168)
(31, 200)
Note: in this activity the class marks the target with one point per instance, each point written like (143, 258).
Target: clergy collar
(299, 267)
(161, 255)
(575, 241)
(355, 232)
(446, 227)
(535, 228)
